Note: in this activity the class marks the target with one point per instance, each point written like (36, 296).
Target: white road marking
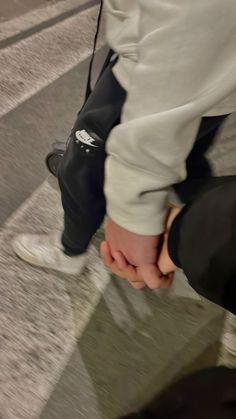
(36, 17)
(32, 64)
(40, 327)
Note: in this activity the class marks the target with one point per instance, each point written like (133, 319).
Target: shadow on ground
(134, 345)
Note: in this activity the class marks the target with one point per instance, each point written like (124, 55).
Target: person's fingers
(120, 260)
(106, 254)
(128, 273)
(150, 274)
(108, 259)
(138, 285)
(153, 278)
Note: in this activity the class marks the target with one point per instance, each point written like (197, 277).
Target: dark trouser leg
(197, 164)
(81, 175)
(200, 239)
(204, 394)
(202, 242)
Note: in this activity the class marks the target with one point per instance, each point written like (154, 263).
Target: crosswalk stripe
(32, 19)
(38, 316)
(32, 64)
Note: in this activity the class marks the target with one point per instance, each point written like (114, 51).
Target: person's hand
(121, 268)
(133, 256)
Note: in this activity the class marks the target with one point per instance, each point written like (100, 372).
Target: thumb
(165, 263)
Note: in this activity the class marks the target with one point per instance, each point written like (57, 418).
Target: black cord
(89, 87)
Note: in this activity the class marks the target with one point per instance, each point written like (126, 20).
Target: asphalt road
(13, 8)
(42, 78)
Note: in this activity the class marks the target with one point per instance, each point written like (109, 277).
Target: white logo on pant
(85, 138)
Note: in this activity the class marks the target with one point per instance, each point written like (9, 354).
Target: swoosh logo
(85, 138)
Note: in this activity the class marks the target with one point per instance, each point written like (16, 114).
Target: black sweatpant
(81, 174)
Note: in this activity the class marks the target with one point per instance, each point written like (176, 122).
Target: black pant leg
(197, 164)
(202, 241)
(81, 174)
(206, 394)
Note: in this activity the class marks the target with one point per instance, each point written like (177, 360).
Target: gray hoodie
(177, 63)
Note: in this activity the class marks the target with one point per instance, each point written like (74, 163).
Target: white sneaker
(46, 251)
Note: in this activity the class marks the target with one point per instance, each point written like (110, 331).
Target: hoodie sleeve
(122, 25)
(186, 66)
